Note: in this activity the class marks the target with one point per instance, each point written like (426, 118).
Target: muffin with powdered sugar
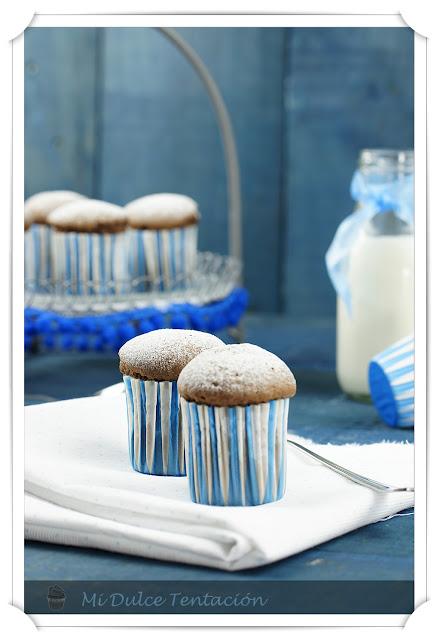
(234, 405)
(163, 240)
(89, 248)
(38, 261)
(150, 365)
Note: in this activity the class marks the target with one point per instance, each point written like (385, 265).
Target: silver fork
(351, 475)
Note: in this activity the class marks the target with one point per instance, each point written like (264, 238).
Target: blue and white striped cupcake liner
(162, 258)
(37, 256)
(391, 380)
(89, 263)
(236, 456)
(155, 438)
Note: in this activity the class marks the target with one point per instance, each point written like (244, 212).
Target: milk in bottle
(380, 277)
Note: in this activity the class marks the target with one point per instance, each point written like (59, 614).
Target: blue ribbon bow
(373, 196)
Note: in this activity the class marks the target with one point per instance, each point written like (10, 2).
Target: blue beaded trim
(52, 331)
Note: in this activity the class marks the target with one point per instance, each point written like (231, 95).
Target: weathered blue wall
(60, 93)
(345, 89)
(117, 113)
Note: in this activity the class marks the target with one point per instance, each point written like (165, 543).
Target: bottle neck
(384, 182)
(386, 165)
(387, 223)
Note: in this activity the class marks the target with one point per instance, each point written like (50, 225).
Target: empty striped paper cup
(234, 405)
(150, 364)
(391, 380)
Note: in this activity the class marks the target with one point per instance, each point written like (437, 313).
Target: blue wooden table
(381, 551)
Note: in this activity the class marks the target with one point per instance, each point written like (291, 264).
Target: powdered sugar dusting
(83, 212)
(236, 375)
(166, 208)
(38, 206)
(162, 354)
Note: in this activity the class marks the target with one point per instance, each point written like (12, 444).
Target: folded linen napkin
(82, 491)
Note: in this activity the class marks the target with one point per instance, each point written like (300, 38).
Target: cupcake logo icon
(56, 597)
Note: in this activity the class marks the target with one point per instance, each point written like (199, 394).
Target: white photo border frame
(198, 20)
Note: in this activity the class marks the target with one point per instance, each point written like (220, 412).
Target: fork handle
(351, 475)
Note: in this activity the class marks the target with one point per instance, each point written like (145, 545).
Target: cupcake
(234, 406)
(37, 255)
(163, 240)
(56, 597)
(150, 365)
(88, 247)
(28, 219)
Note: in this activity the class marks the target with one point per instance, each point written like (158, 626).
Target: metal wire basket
(214, 277)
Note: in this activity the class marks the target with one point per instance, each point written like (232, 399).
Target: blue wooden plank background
(60, 96)
(345, 89)
(116, 113)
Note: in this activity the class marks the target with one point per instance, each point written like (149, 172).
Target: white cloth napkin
(82, 491)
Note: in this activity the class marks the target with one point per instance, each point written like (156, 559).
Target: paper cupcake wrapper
(89, 263)
(56, 603)
(391, 380)
(155, 438)
(165, 256)
(236, 456)
(37, 255)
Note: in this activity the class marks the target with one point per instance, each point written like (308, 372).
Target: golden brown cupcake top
(162, 211)
(236, 375)
(161, 355)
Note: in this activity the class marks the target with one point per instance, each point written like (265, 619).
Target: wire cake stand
(77, 316)
(210, 299)
(213, 279)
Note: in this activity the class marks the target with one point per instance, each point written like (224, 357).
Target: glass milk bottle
(380, 271)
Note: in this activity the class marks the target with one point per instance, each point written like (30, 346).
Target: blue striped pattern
(37, 256)
(162, 258)
(89, 263)
(391, 380)
(236, 455)
(155, 439)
